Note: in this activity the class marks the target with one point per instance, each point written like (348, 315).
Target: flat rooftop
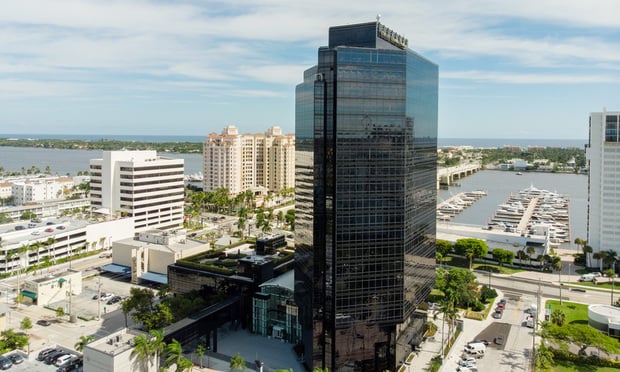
(116, 343)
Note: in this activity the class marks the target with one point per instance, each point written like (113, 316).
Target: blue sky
(508, 69)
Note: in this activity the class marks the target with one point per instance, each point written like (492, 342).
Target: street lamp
(208, 352)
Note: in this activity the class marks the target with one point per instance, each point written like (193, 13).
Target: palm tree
(84, 340)
(201, 350)
(521, 255)
(158, 345)
(142, 350)
(530, 251)
(174, 351)
(237, 363)
(441, 310)
(586, 249)
(556, 265)
(611, 274)
(149, 346)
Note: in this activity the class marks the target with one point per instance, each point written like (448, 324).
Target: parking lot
(510, 341)
(33, 365)
(85, 307)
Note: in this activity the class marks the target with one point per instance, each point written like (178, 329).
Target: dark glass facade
(366, 153)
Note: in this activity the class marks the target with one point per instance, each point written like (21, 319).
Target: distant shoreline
(196, 141)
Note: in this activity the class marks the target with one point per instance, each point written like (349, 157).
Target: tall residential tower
(240, 162)
(366, 153)
(603, 157)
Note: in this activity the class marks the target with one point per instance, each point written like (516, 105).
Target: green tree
(201, 350)
(443, 248)
(585, 248)
(544, 357)
(611, 274)
(14, 340)
(503, 256)
(558, 317)
(142, 350)
(60, 311)
(471, 248)
(84, 340)
(174, 351)
(530, 251)
(459, 286)
(237, 363)
(25, 324)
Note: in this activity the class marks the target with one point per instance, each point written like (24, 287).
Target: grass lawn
(464, 263)
(575, 313)
(601, 284)
(565, 366)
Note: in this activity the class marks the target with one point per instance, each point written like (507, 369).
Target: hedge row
(584, 360)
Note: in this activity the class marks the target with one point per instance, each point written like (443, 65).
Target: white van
(587, 278)
(475, 348)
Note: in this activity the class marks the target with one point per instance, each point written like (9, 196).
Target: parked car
(114, 300)
(71, 365)
(36, 232)
(61, 227)
(106, 296)
(5, 363)
(49, 229)
(50, 223)
(499, 340)
(16, 358)
(44, 322)
(46, 352)
(503, 301)
(501, 305)
(63, 360)
(51, 359)
(498, 314)
(485, 342)
(20, 227)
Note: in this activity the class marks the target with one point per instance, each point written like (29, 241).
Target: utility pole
(17, 299)
(535, 315)
(489, 279)
(98, 297)
(70, 295)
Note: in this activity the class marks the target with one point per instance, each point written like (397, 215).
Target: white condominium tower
(239, 162)
(603, 157)
(139, 184)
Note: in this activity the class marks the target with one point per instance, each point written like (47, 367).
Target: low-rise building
(275, 311)
(29, 243)
(147, 256)
(47, 289)
(114, 353)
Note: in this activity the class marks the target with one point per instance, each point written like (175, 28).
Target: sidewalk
(471, 328)
(432, 348)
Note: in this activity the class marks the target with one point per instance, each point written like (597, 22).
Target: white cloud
(525, 78)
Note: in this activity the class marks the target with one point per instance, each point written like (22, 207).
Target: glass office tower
(366, 184)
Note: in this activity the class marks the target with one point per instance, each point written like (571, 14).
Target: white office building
(603, 157)
(139, 184)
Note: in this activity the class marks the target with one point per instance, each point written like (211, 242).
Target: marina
(457, 204)
(535, 211)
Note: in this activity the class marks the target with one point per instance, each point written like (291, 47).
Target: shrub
(580, 259)
(477, 306)
(487, 293)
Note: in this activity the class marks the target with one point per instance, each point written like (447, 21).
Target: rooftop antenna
(378, 17)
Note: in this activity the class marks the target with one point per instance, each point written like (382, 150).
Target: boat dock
(535, 212)
(457, 204)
